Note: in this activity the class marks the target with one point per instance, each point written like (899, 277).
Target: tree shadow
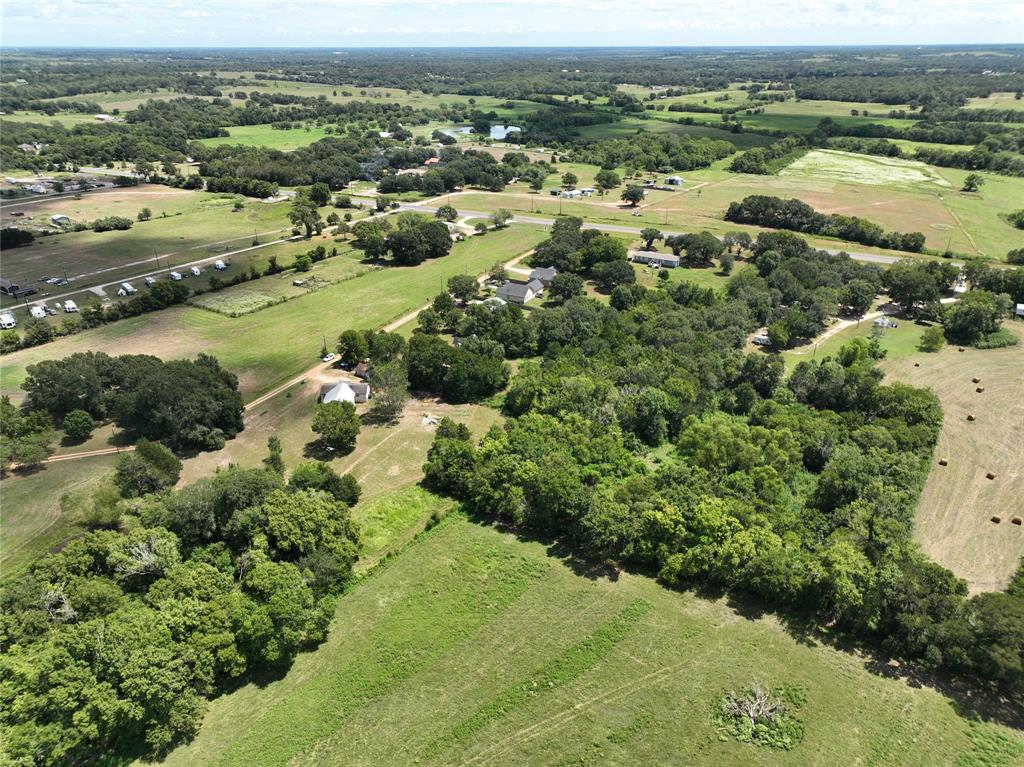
(320, 451)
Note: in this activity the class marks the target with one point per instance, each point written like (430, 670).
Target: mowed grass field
(475, 648)
(268, 347)
(264, 135)
(953, 522)
(668, 122)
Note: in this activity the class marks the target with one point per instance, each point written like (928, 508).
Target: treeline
(652, 152)
(766, 160)
(798, 216)
(799, 494)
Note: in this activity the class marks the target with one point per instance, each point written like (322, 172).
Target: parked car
(328, 357)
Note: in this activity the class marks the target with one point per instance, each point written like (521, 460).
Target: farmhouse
(653, 257)
(345, 391)
(520, 292)
(543, 275)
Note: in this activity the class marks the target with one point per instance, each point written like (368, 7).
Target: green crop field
(475, 648)
(268, 347)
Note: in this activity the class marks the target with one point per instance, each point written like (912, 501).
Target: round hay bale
(996, 519)
(960, 349)
(1017, 521)
(970, 417)
(917, 364)
(975, 380)
(980, 389)
(943, 462)
(990, 475)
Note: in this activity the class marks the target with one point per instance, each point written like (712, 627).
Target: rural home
(654, 258)
(345, 391)
(519, 292)
(544, 275)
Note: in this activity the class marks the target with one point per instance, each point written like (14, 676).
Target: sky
(487, 23)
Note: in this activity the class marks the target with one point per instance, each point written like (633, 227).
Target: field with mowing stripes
(475, 648)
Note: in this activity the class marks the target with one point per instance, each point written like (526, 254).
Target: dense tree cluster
(652, 152)
(798, 216)
(186, 404)
(114, 644)
(764, 160)
(800, 494)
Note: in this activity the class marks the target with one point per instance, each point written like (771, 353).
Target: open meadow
(476, 648)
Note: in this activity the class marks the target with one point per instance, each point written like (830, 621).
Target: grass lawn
(66, 119)
(31, 516)
(669, 122)
(1002, 100)
(268, 347)
(432, 660)
(953, 521)
(899, 342)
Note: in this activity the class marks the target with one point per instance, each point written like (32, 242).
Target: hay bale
(1017, 521)
(975, 380)
(990, 475)
(943, 462)
(917, 364)
(996, 519)
(980, 389)
(960, 349)
(970, 417)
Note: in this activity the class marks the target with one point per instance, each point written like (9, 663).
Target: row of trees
(798, 216)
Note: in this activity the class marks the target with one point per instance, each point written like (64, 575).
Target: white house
(653, 257)
(518, 292)
(39, 312)
(345, 391)
(7, 321)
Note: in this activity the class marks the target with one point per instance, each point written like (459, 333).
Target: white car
(328, 358)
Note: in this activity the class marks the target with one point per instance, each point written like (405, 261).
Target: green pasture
(474, 647)
(272, 138)
(270, 346)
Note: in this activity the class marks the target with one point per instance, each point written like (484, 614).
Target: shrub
(997, 340)
(78, 425)
(932, 340)
(762, 716)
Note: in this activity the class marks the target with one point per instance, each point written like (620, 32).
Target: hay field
(953, 517)
(264, 135)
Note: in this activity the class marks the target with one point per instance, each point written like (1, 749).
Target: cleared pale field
(472, 647)
(1002, 100)
(847, 167)
(268, 347)
(790, 122)
(953, 522)
(67, 119)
